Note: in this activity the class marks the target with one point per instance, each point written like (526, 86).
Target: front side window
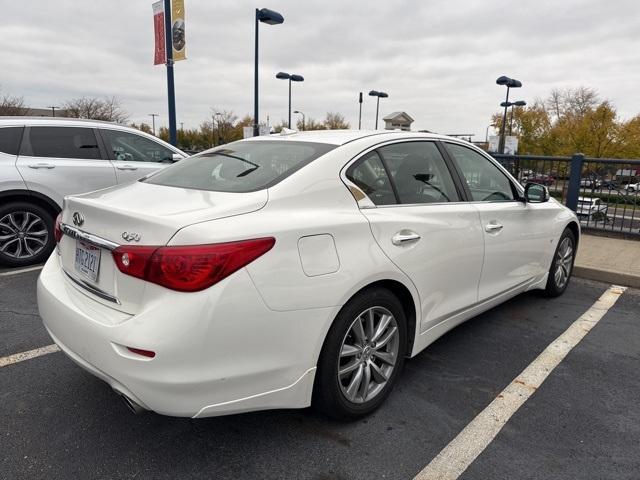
(369, 175)
(241, 166)
(10, 140)
(130, 147)
(62, 142)
(486, 181)
(419, 172)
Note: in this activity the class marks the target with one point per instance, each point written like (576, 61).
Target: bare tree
(12, 106)
(108, 108)
(335, 121)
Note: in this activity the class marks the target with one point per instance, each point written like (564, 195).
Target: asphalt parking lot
(583, 422)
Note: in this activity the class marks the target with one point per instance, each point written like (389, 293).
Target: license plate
(87, 260)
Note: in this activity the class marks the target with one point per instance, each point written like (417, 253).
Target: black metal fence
(604, 192)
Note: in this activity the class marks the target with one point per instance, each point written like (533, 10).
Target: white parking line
(21, 270)
(21, 357)
(456, 457)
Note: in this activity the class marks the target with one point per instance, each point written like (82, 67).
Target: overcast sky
(438, 60)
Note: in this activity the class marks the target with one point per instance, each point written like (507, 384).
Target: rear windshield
(241, 166)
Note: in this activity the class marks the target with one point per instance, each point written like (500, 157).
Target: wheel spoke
(386, 357)
(382, 326)
(36, 240)
(377, 374)
(384, 340)
(7, 237)
(25, 220)
(13, 222)
(349, 350)
(27, 247)
(354, 385)
(370, 323)
(358, 331)
(366, 380)
(348, 368)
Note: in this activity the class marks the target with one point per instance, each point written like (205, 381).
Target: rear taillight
(57, 228)
(189, 268)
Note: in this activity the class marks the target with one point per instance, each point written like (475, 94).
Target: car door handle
(493, 227)
(42, 165)
(404, 236)
(126, 167)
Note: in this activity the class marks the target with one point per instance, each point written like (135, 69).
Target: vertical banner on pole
(178, 39)
(159, 55)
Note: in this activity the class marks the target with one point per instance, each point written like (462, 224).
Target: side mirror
(536, 193)
(176, 156)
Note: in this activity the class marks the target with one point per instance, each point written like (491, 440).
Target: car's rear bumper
(219, 351)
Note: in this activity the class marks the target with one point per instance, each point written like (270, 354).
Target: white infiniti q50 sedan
(281, 271)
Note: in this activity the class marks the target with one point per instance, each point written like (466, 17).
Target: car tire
(341, 396)
(26, 234)
(562, 265)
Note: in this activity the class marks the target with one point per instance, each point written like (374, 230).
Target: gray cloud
(438, 60)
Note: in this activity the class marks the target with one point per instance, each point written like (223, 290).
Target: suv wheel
(26, 234)
(362, 356)
(562, 265)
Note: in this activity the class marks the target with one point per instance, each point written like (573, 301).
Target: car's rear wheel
(362, 356)
(26, 234)
(562, 265)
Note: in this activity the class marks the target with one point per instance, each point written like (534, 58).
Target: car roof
(29, 120)
(341, 137)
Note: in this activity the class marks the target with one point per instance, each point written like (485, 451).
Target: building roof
(395, 115)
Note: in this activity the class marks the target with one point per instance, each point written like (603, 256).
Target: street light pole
(360, 113)
(509, 83)
(171, 91)
(374, 93)
(292, 77)
(53, 111)
(270, 18)
(303, 118)
(153, 122)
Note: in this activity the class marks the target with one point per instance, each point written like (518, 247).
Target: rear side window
(62, 142)
(10, 140)
(369, 175)
(419, 172)
(241, 166)
(129, 147)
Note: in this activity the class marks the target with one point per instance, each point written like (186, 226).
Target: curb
(606, 276)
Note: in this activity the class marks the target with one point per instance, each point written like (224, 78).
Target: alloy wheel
(564, 261)
(22, 235)
(368, 354)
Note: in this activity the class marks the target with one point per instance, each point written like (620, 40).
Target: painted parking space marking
(21, 357)
(456, 457)
(21, 270)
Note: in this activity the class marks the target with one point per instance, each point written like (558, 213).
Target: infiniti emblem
(131, 236)
(78, 219)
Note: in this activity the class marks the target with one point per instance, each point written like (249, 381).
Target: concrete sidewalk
(610, 260)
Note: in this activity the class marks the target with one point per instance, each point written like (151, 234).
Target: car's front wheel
(362, 356)
(26, 234)
(562, 265)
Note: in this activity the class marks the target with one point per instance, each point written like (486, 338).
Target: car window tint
(369, 175)
(129, 147)
(62, 142)
(10, 140)
(419, 172)
(244, 166)
(486, 181)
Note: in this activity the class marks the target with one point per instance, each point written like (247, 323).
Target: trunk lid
(152, 214)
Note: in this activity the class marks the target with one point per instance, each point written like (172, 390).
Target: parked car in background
(44, 159)
(591, 208)
(633, 187)
(305, 267)
(540, 178)
(590, 182)
(609, 185)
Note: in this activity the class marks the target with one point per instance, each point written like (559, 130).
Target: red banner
(160, 55)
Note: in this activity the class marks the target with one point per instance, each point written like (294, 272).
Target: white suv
(44, 159)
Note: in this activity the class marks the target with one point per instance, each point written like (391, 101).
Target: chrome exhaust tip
(131, 405)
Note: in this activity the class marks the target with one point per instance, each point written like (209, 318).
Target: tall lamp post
(303, 117)
(374, 93)
(292, 77)
(360, 112)
(153, 122)
(171, 90)
(53, 110)
(509, 83)
(269, 17)
(519, 103)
